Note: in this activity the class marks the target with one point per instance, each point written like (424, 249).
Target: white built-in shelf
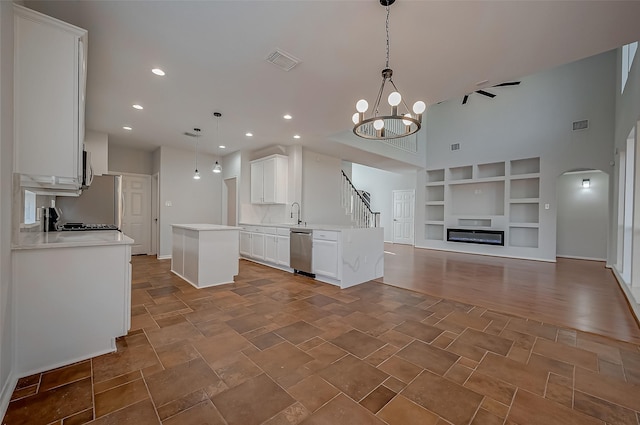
(434, 176)
(502, 195)
(524, 201)
(532, 225)
(525, 176)
(494, 169)
(525, 166)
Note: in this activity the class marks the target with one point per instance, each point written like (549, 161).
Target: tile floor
(279, 349)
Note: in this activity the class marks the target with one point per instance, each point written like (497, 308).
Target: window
(628, 53)
(29, 207)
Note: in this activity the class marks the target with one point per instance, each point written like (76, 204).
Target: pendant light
(395, 125)
(196, 174)
(217, 168)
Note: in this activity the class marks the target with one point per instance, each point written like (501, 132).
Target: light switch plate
(168, 204)
(546, 206)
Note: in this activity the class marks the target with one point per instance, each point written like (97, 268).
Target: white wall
(6, 191)
(321, 193)
(583, 215)
(192, 201)
(380, 184)
(530, 120)
(123, 159)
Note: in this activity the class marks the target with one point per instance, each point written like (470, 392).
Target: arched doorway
(583, 214)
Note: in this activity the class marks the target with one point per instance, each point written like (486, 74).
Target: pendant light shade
(217, 168)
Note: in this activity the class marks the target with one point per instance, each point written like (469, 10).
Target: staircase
(357, 205)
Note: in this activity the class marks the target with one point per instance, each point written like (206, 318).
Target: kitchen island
(71, 297)
(205, 254)
(341, 255)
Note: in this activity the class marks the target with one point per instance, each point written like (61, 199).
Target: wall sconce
(586, 183)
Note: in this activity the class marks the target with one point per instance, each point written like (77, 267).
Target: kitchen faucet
(295, 203)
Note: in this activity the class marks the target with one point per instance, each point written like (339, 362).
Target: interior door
(136, 215)
(403, 206)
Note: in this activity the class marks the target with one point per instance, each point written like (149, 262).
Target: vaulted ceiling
(213, 53)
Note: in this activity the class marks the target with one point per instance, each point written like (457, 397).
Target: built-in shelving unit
(498, 196)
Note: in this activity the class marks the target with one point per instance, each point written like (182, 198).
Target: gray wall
(193, 201)
(583, 215)
(380, 184)
(530, 120)
(6, 191)
(124, 159)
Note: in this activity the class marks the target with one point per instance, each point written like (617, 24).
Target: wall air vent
(580, 125)
(455, 147)
(283, 60)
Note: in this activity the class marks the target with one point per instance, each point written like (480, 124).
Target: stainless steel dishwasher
(301, 251)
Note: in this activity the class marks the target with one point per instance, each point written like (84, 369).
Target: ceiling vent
(283, 60)
(580, 125)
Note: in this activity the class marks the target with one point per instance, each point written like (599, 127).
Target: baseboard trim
(575, 257)
(163, 257)
(7, 392)
(486, 254)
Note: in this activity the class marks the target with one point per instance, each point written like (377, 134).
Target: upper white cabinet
(49, 94)
(269, 180)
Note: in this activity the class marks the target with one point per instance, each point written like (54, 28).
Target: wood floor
(274, 348)
(578, 294)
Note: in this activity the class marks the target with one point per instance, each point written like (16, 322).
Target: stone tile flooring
(279, 349)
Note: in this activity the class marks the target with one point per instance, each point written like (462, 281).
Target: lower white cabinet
(245, 244)
(257, 246)
(282, 257)
(266, 244)
(70, 304)
(325, 254)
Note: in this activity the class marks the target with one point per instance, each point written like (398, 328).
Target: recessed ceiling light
(158, 71)
(126, 127)
(136, 106)
(249, 134)
(297, 136)
(222, 147)
(287, 117)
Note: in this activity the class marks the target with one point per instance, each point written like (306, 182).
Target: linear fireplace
(485, 237)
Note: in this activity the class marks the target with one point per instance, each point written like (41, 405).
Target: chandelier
(382, 127)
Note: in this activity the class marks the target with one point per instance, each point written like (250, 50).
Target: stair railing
(356, 206)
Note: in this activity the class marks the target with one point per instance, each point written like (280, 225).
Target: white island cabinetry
(71, 298)
(342, 256)
(205, 254)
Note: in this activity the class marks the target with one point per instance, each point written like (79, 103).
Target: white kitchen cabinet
(257, 246)
(49, 92)
(325, 254)
(205, 254)
(71, 306)
(271, 248)
(269, 180)
(282, 256)
(245, 244)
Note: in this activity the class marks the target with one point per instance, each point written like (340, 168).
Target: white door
(403, 206)
(136, 215)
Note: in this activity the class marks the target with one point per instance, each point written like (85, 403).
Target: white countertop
(70, 239)
(332, 227)
(205, 227)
